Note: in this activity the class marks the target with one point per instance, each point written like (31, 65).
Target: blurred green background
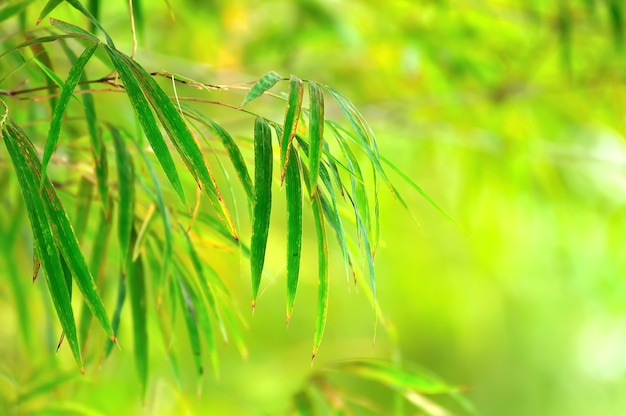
(510, 115)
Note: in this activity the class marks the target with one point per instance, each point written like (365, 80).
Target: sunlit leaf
(316, 133)
(266, 82)
(290, 125)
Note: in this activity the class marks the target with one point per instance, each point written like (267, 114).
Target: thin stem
(132, 29)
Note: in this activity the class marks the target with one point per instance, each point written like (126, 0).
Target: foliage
(124, 177)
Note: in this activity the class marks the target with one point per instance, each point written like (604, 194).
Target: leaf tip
(82, 370)
(253, 306)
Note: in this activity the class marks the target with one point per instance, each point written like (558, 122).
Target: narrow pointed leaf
(178, 132)
(191, 321)
(74, 30)
(126, 182)
(322, 288)
(84, 197)
(231, 147)
(65, 238)
(316, 133)
(137, 292)
(49, 7)
(290, 126)
(12, 9)
(148, 122)
(59, 111)
(117, 313)
(266, 82)
(78, 6)
(293, 192)
(42, 236)
(262, 206)
(37, 41)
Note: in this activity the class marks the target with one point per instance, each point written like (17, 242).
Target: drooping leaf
(179, 134)
(266, 82)
(126, 183)
(79, 6)
(148, 123)
(293, 193)
(84, 196)
(117, 313)
(59, 111)
(191, 321)
(322, 289)
(231, 147)
(316, 133)
(262, 206)
(37, 41)
(43, 239)
(65, 238)
(137, 293)
(49, 7)
(292, 116)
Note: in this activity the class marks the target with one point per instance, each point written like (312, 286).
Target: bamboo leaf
(117, 313)
(37, 41)
(126, 181)
(316, 132)
(79, 6)
(137, 292)
(231, 147)
(42, 235)
(191, 321)
(11, 10)
(65, 239)
(84, 196)
(74, 30)
(292, 116)
(293, 192)
(49, 7)
(262, 206)
(59, 111)
(179, 134)
(266, 82)
(322, 289)
(148, 122)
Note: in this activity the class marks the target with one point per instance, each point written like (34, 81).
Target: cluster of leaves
(162, 268)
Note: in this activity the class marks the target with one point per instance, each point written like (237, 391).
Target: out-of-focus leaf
(316, 133)
(266, 82)
(49, 7)
(37, 41)
(148, 122)
(84, 196)
(137, 293)
(11, 10)
(45, 246)
(262, 206)
(79, 6)
(59, 111)
(303, 405)
(290, 126)
(126, 183)
(191, 320)
(117, 313)
(231, 147)
(293, 193)
(94, 8)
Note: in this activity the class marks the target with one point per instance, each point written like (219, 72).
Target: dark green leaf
(137, 292)
(293, 192)
(262, 206)
(126, 182)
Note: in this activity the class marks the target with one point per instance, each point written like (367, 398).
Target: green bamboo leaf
(262, 206)
(178, 132)
(52, 76)
(126, 182)
(59, 111)
(94, 9)
(316, 132)
(266, 82)
(290, 126)
(143, 231)
(191, 321)
(139, 17)
(293, 192)
(74, 30)
(43, 238)
(231, 147)
(208, 292)
(303, 405)
(616, 15)
(322, 289)
(49, 7)
(148, 122)
(137, 294)
(65, 239)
